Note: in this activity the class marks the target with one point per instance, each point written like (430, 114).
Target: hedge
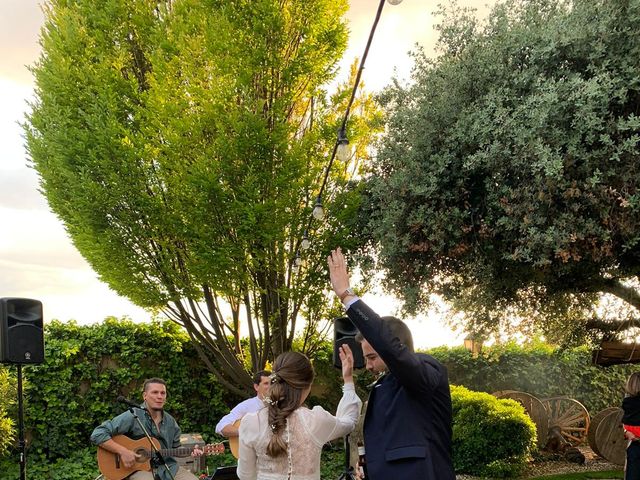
(490, 437)
(87, 367)
(538, 369)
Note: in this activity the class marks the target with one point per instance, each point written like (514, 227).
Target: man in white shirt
(227, 425)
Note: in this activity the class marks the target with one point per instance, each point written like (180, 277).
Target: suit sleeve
(419, 373)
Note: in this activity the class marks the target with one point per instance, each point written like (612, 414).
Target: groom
(407, 426)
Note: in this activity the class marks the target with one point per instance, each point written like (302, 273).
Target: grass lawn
(583, 475)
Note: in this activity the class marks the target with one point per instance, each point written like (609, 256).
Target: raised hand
(338, 271)
(346, 357)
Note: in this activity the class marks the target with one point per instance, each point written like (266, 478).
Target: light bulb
(318, 211)
(394, 2)
(305, 241)
(295, 268)
(344, 150)
(297, 261)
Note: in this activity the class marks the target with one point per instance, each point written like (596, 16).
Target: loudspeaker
(21, 331)
(224, 473)
(345, 332)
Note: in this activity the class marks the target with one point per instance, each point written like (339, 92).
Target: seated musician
(158, 423)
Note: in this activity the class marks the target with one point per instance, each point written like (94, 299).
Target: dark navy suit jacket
(407, 427)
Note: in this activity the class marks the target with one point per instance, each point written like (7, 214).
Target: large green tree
(509, 179)
(182, 144)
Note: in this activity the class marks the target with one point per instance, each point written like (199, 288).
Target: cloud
(20, 22)
(36, 237)
(19, 190)
(65, 293)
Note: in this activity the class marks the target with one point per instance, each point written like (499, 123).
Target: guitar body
(112, 467)
(234, 442)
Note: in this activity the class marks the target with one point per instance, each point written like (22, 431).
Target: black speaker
(345, 332)
(21, 331)
(224, 473)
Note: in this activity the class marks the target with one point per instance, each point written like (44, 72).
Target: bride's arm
(325, 427)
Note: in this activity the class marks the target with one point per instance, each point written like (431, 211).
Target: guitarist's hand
(128, 457)
(197, 451)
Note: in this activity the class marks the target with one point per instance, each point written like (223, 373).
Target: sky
(37, 258)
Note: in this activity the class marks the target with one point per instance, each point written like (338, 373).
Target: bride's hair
(292, 374)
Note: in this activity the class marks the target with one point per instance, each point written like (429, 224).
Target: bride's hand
(346, 358)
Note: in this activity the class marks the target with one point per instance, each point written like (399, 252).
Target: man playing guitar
(158, 423)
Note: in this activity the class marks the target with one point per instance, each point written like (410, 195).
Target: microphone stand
(157, 460)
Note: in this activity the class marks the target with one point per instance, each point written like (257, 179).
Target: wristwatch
(346, 293)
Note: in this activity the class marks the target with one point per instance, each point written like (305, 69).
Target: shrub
(8, 399)
(80, 465)
(491, 437)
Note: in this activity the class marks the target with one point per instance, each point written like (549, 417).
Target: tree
(508, 182)
(180, 142)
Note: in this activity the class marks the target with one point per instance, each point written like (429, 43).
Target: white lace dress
(306, 432)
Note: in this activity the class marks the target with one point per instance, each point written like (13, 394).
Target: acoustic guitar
(112, 467)
(234, 442)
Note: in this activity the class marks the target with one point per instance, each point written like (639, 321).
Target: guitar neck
(176, 452)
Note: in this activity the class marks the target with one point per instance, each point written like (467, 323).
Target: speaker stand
(347, 474)
(21, 443)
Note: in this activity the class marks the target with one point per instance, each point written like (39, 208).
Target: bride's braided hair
(292, 374)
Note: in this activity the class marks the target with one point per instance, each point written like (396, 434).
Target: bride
(283, 441)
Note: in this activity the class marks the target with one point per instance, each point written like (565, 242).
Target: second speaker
(345, 332)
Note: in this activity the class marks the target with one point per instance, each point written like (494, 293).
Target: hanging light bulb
(344, 149)
(295, 269)
(318, 211)
(394, 2)
(298, 260)
(305, 241)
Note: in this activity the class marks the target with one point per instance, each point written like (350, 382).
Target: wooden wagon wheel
(570, 416)
(593, 427)
(609, 437)
(534, 408)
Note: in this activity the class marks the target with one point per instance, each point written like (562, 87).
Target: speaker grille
(25, 344)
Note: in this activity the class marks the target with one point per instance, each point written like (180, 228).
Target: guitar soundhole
(142, 455)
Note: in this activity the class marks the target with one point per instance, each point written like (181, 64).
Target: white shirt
(249, 405)
(306, 432)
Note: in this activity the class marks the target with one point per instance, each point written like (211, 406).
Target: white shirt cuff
(351, 302)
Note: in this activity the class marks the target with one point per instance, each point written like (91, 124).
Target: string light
(318, 210)
(341, 149)
(305, 241)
